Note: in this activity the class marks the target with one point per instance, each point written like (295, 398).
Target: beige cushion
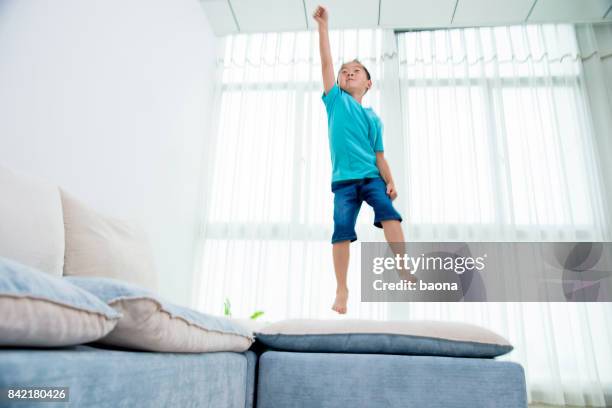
(97, 245)
(147, 325)
(38, 309)
(31, 224)
(151, 323)
(43, 323)
(423, 328)
(421, 337)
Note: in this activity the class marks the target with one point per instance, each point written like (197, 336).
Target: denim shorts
(348, 196)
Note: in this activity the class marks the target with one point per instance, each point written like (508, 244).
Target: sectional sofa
(157, 361)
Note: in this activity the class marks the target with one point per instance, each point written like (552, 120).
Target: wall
(108, 99)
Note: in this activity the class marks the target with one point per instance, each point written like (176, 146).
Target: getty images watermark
(486, 271)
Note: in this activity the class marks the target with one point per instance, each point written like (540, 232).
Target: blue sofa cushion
(289, 379)
(415, 337)
(39, 309)
(110, 377)
(151, 323)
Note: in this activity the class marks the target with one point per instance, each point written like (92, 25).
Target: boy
(359, 169)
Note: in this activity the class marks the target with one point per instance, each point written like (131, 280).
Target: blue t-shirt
(355, 135)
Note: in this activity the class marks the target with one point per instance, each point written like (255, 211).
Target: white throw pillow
(97, 245)
(31, 224)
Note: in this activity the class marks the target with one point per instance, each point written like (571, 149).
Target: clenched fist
(321, 15)
(391, 191)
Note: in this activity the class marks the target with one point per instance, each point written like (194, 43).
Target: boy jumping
(359, 169)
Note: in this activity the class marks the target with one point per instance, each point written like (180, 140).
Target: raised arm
(321, 16)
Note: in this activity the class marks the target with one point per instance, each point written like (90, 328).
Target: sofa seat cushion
(423, 337)
(289, 379)
(111, 377)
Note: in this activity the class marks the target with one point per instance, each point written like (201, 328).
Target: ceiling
(234, 16)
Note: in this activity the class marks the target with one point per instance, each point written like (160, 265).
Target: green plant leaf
(227, 308)
(257, 314)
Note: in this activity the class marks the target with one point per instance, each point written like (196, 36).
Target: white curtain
(500, 145)
(489, 136)
(595, 43)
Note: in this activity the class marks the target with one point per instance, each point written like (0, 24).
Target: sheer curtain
(500, 146)
(489, 136)
(499, 139)
(595, 43)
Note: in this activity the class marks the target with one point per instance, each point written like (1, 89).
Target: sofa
(46, 228)
(103, 377)
(304, 363)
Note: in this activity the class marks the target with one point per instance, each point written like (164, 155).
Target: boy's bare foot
(340, 301)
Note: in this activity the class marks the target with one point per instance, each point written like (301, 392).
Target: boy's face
(354, 79)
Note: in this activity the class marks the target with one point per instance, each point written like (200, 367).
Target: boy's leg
(387, 218)
(341, 252)
(393, 232)
(395, 237)
(346, 208)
